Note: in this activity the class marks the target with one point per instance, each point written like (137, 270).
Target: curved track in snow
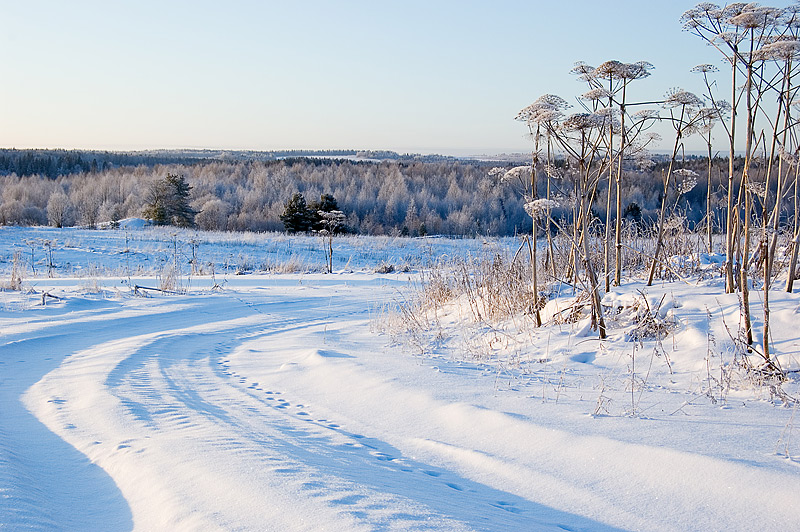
(275, 409)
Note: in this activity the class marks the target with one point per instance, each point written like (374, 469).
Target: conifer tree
(295, 215)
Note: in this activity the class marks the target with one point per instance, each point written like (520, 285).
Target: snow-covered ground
(271, 401)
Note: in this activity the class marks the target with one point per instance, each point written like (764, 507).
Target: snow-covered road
(271, 406)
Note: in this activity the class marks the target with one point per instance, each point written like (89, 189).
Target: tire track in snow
(193, 444)
(45, 483)
(186, 394)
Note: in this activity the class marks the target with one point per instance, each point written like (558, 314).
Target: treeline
(389, 197)
(377, 198)
(59, 162)
(55, 163)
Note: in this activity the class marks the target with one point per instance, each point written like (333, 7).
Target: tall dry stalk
(685, 115)
(581, 137)
(608, 84)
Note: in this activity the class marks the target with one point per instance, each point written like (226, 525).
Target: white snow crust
(272, 402)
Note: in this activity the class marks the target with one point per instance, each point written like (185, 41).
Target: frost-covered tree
(213, 215)
(87, 203)
(168, 202)
(59, 209)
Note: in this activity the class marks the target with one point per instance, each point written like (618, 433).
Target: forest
(399, 197)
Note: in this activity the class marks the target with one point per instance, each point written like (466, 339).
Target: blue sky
(410, 76)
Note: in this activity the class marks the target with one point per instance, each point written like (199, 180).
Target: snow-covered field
(271, 401)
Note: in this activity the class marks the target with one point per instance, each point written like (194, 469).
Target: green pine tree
(295, 215)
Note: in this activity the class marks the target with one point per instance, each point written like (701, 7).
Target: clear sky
(410, 76)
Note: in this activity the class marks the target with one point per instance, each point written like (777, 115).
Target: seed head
(553, 172)
(539, 207)
(608, 112)
(689, 180)
(638, 70)
(518, 172)
(597, 94)
(754, 16)
(584, 121)
(645, 114)
(546, 108)
(583, 71)
(757, 188)
(693, 18)
(551, 99)
(733, 10)
(685, 172)
(781, 50)
(610, 69)
(705, 68)
(652, 137)
(680, 98)
(618, 70)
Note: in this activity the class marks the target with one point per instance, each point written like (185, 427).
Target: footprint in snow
(509, 507)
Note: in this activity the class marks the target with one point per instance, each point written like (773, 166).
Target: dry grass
(17, 272)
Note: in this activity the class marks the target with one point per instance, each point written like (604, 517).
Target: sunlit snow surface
(271, 402)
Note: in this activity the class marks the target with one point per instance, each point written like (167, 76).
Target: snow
(272, 401)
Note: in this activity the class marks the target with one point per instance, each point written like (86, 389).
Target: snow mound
(133, 223)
